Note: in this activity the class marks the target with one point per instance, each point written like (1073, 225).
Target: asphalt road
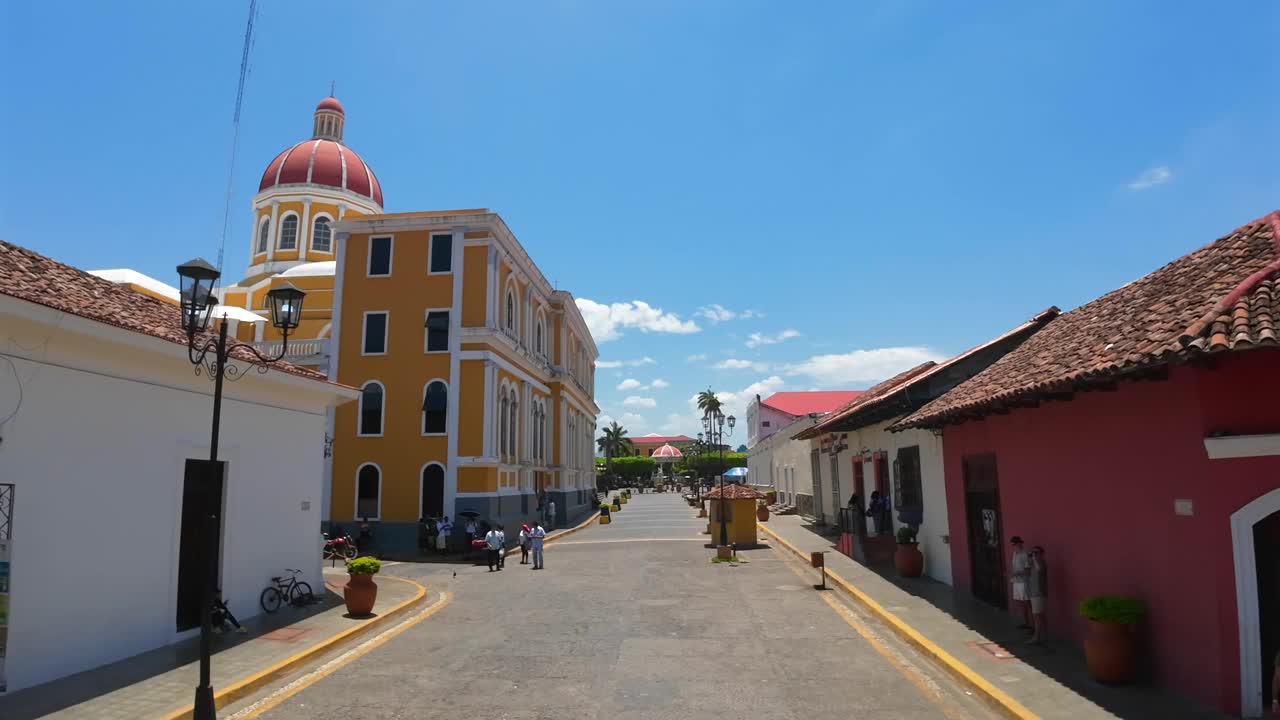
(629, 620)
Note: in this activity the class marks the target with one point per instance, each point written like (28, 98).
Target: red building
(1137, 438)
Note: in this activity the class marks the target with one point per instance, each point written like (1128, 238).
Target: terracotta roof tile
(1221, 297)
(30, 276)
(734, 491)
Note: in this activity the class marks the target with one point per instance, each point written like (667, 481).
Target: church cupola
(329, 120)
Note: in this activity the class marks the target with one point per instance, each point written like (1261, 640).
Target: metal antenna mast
(235, 123)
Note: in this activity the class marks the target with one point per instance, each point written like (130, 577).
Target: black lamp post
(211, 355)
(714, 425)
(697, 474)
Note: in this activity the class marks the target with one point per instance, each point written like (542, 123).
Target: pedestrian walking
(536, 536)
(1038, 594)
(493, 549)
(442, 539)
(1020, 567)
(525, 539)
(502, 550)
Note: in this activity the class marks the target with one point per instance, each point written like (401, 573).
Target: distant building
(764, 417)
(645, 445)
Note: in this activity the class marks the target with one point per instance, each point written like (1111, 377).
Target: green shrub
(364, 566)
(604, 507)
(1114, 609)
(906, 535)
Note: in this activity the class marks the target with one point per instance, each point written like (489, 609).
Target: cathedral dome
(324, 160)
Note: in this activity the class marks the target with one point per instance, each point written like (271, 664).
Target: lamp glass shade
(286, 307)
(732, 421)
(195, 288)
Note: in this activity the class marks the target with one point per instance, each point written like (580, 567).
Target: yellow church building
(477, 376)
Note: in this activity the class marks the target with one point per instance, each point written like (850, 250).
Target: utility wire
(235, 123)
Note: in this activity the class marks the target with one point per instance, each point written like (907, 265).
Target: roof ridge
(1226, 302)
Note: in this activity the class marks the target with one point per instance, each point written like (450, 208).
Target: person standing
(536, 537)
(878, 510)
(442, 538)
(551, 514)
(502, 546)
(1038, 594)
(524, 544)
(493, 546)
(1020, 570)
(470, 529)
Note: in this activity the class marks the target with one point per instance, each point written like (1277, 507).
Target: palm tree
(612, 443)
(708, 403)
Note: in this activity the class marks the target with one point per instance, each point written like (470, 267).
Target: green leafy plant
(906, 535)
(604, 507)
(364, 566)
(1114, 609)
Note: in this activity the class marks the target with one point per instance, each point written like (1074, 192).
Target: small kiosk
(738, 503)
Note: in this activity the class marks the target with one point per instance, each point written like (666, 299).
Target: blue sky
(808, 195)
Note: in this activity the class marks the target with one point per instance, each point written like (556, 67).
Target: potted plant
(762, 511)
(604, 514)
(1111, 646)
(617, 504)
(907, 558)
(361, 591)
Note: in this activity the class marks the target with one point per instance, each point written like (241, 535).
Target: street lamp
(714, 425)
(196, 279)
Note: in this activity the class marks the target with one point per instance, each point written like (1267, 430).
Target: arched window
(368, 492)
(264, 232)
(432, 491)
(322, 236)
(511, 432)
(289, 233)
(537, 338)
(435, 407)
(511, 312)
(502, 425)
(371, 408)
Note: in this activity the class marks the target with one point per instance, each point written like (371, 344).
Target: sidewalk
(1051, 682)
(161, 683)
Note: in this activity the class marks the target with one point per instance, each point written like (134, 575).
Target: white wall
(757, 415)
(97, 462)
(783, 463)
(933, 532)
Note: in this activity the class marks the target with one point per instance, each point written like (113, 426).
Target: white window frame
(422, 421)
(426, 334)
(540, 332)
(355, 509)
(262, 243)
(368, 255)
(513, 417)
(431, 246)
(423, 471)
(386, 332)
(511, 308)
(280, 239)
(382, 420)
(503, 409)
(318, 217)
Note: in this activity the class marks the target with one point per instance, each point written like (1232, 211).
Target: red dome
(331, 103)
(323, 162)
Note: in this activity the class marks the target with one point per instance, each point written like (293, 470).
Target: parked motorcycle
(342, 547)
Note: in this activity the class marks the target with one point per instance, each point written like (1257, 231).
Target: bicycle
(298, 592)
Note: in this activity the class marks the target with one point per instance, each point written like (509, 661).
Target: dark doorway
(982, 514)
(1266, 550)
(201, 497)
(432, 491)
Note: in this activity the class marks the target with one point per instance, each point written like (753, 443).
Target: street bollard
(818, 560)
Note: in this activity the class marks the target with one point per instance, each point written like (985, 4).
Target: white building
(100, 412)
(785, 464)
(765, 417)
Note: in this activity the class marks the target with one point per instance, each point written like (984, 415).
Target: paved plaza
(629, 620)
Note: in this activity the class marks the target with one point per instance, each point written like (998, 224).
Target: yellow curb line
(572, 530)
(238, 689)
(994, 695)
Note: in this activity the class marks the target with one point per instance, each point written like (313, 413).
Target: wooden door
(201, 515)
(985, 530)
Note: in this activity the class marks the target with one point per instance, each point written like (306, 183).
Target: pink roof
(803, 403)
(667, 451)
(331, 103)
(660, 439)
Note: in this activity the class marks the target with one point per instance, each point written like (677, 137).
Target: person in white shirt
(470, 529)
(524, 544)
(551, 513)
(494, 541)
(537, 535)
(442, 538)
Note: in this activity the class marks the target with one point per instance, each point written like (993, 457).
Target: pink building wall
(1094, 480)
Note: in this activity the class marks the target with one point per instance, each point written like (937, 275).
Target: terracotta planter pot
(762, 513)
(360, 592)
(1111, 652)
(724, 552)
(908, 560)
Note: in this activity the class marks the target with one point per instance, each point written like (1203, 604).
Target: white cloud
(635, 424)
(607, 322)
(699, 357)
(861, 367)
(634, 362)
(629, 384)
(637, 401)
(659, 384)
(1158, 175)
(675, 424)
(715, 312)
(736, 364)
(755, 340)
(734, 403)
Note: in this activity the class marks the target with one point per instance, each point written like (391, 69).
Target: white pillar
(304, 232)
(490, 392)
(275, 229)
